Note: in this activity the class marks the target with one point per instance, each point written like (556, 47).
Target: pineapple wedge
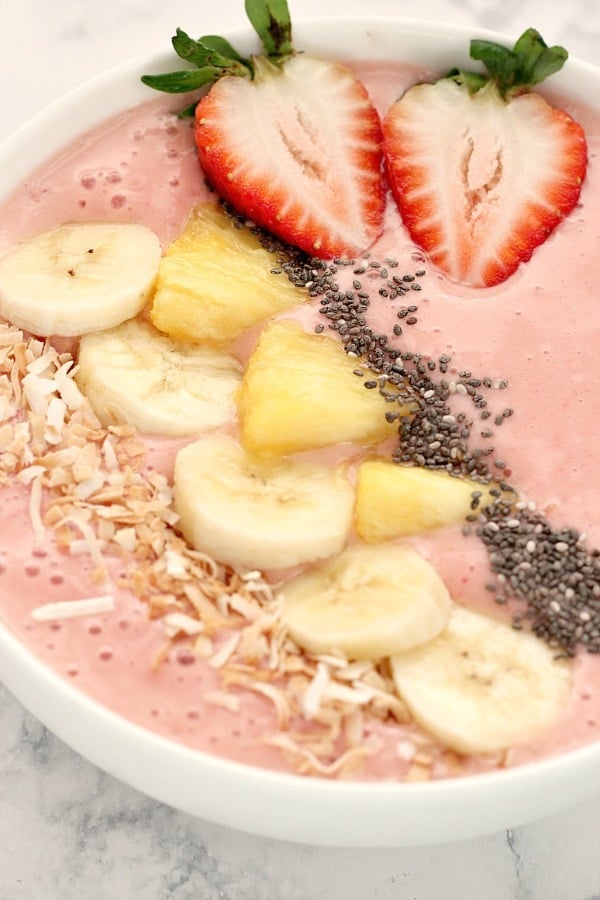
(299, 393)
(395, 500)
(215, 281)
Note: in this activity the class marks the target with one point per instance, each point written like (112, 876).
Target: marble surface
(70, 832)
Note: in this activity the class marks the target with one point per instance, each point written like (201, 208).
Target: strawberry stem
(272, 23)
(514, 71)
(214, 57)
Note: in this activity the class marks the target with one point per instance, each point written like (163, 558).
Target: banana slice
(254, 515)
(132, 374)
(481, 685)
(79, 278)
(368, 602)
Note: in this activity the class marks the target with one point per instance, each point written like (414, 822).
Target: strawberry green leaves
(209, 50)
(514, 71)
(214, 57)
(271, 21)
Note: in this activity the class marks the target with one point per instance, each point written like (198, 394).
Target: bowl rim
(385, 808)
(568, 78)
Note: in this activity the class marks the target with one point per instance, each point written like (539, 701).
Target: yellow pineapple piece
(215, 281)
(395, 500)
(299, 392)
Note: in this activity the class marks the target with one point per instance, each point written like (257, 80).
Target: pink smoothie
(538, 331)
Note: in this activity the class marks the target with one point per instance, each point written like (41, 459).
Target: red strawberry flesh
(297, 149)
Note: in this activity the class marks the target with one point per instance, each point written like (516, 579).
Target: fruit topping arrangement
(309, 466)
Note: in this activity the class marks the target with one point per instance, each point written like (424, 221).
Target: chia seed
(559, 585)
(550, 574)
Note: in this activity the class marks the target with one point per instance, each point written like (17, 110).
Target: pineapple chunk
(299, 392)
(215, 281)
(395, 500)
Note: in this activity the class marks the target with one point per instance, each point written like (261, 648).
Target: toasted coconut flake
(92, 545)
(179, 623)
(35, 509)
(354, 670)
(7, 407)
(27, 475)
(126, 538)
(37, 392)
(176, 563)
(69, 609)
(115, 511)
(311, 701)
(81, 546)
(67, 387)
(248, 609)
(251, 575)
(43, 365)
(225, 651)
(353, 696)
(388, 703)
(108, 452)
(106, 531)
(55, 420)
(354, 728)
(85, 465)
(10, 335)
(277, 697)
(200, 602)
(89, 486)
(334, 661)
(254, 645)
(222, 698)
(309, 763)
(203, 646)
(169, 517)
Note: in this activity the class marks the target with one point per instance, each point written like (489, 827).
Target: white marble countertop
(70, 832)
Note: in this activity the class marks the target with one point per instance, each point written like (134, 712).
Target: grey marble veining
(70, 832)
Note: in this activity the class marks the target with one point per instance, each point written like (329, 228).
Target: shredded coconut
(90, 494)
(69, 609)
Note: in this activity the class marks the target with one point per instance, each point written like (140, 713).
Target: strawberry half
(481, 167)
(289, 140)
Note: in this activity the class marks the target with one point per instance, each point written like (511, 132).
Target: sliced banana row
(473, 682)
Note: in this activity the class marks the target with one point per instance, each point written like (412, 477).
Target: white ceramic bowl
(273, 804)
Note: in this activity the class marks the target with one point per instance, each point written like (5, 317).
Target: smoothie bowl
(300, 537)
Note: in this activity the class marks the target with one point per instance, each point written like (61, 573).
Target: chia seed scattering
(550, 571)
